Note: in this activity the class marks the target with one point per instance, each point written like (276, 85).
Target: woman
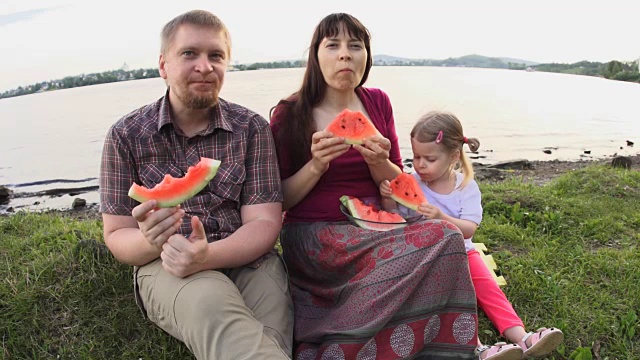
(361, 294)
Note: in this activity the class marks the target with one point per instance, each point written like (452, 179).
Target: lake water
(515, 114)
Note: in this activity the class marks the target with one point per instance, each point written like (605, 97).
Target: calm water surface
(515, 114)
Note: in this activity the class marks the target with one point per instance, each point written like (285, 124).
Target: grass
(568, 250)
(62, 295)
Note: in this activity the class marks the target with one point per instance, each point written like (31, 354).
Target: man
(205, 271)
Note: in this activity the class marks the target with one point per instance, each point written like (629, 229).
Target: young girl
(437, 140)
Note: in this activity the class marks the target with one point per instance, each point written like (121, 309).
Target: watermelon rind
(407, 204)
(349, 204)
(143, 194)
(354, 141)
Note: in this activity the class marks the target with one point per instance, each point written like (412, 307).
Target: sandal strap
(483, 348)
(523, 342)
(527, 336)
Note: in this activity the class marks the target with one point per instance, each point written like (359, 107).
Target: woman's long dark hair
(296, 131)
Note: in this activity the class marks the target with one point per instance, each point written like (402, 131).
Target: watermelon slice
(353, 126)
(171, 191)
(370, 216)
(406, 191)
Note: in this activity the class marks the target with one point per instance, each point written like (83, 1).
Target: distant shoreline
(614, 70)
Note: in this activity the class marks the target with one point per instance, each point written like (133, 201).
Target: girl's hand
(374, 150)
(430, 211)
(325, 148)
(385, 189)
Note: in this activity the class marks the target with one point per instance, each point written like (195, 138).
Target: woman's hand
(374, 150)
(325, 148)
(385, 189)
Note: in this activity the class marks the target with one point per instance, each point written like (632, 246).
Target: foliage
(624, 71)
(125, 75)
(516, 66)
(580, 68)
(83, 80)
(270, 65)
(615, 70)
(626, 75)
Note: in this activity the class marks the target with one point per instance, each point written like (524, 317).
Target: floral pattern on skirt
(363, 294)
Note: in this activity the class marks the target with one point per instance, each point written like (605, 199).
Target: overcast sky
(48, 39)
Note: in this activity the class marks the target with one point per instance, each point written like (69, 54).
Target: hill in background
(463, 61)
(614, 70)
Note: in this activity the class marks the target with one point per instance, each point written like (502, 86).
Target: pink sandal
(500, 351)
(543, 342)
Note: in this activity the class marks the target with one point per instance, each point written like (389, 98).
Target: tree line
(125, 75)
(614, 70)
(82, 80)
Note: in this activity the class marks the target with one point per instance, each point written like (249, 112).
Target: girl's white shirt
(465, 203)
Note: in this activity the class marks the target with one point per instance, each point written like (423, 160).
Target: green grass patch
(568, 250)
(63, 295)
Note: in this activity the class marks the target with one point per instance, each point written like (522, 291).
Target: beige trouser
(247, 314)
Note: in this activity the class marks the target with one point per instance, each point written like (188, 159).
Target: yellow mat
(491, 264)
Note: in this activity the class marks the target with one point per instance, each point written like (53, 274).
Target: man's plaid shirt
(145, 145)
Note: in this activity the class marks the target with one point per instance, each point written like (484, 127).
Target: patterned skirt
(362, 294)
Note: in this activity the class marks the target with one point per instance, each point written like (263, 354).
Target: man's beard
(194, 102)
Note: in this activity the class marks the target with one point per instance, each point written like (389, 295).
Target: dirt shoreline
(542, 172)
(539, 172)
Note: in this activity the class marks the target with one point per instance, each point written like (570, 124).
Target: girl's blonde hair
(447, 129)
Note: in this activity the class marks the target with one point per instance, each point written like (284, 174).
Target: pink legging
(490, 297)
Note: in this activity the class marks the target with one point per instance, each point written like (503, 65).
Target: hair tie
(439, 137)
(465, 140)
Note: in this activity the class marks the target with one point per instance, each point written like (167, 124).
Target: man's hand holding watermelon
(157, 224)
